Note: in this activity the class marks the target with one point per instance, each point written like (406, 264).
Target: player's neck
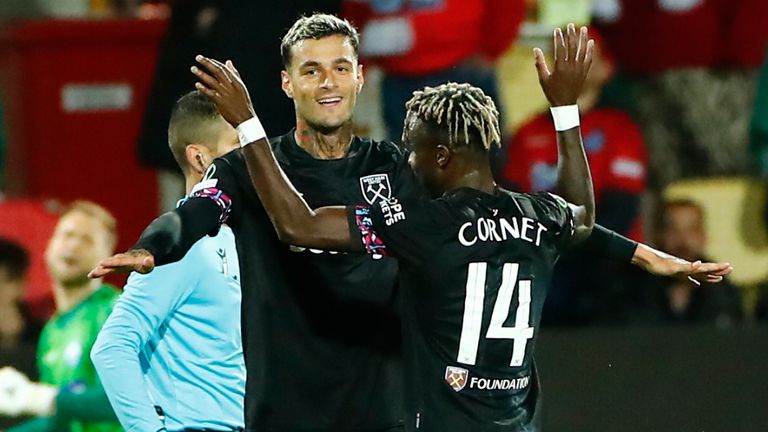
(190, 180)
(331, 145)
(477, 177)
(68, 297)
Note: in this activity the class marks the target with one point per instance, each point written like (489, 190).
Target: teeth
(329, 100)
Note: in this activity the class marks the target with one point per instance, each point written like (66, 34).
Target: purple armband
(219, 197)
(372, 243)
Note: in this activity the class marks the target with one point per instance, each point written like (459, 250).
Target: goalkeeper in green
(69, 396)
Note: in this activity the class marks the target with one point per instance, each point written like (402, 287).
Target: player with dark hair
(320, 335)
(320, 330)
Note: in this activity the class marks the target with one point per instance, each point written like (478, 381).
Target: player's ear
(360, 78)
(442, 155)
(285, 79)
(196, 158)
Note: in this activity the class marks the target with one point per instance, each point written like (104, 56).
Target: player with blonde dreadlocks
(460, 107)
(461, 120)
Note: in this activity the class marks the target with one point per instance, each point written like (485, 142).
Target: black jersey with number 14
(474, 269)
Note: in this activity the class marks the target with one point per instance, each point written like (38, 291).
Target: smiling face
(323, 79)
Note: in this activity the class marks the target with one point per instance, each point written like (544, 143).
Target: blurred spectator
(246, 31)
(69, 397)
(420, 43)
(681, 233)
(17, 336)
(692, 76)
(617, 158)
(14, 263)
(652, 36)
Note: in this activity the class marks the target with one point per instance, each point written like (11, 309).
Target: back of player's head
(194, 120)
(14, 259)
(461, 113)
(317, 26)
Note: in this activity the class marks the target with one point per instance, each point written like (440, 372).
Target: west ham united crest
(456, 377)
(375, 188)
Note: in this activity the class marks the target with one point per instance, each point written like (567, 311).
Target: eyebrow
(311, 63)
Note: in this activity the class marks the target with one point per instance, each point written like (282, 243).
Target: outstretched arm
(662, 264)
(167, 239)
(294, 221)
(612, 245)
(562, 87)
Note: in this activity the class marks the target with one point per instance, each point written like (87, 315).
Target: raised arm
(562, 87)
(294, 221)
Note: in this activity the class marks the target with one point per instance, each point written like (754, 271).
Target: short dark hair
(190, 123)
(14, 258)
(317, 26)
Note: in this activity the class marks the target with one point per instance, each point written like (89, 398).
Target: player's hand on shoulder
(138, 260)
(573, 57)
(222, 83)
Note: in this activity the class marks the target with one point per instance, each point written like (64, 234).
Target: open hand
(697, 272)
(573, 58)
(138, 260)
(222, 83)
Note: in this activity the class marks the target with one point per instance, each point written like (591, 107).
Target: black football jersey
(474, 273)
(321, 328)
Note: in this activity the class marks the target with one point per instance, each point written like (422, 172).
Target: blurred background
(674, 120)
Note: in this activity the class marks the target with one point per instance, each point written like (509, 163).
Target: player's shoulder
(106, 293)
(382, 150)
(232, 162)
(535, 204)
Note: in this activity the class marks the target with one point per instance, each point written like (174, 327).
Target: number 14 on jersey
(474, 301)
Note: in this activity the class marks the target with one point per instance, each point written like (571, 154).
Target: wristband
(565, 117)
(250, 131)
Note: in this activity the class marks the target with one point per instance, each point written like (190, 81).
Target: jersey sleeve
(148, 300)
(211, 203)
(555, 213)
(394, 228)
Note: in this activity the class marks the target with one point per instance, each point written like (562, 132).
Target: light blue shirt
(173, 341)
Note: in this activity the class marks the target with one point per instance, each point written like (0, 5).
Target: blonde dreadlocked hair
(462, 109)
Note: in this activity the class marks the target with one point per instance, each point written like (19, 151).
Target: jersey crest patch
(456, 377)
(375, 188)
